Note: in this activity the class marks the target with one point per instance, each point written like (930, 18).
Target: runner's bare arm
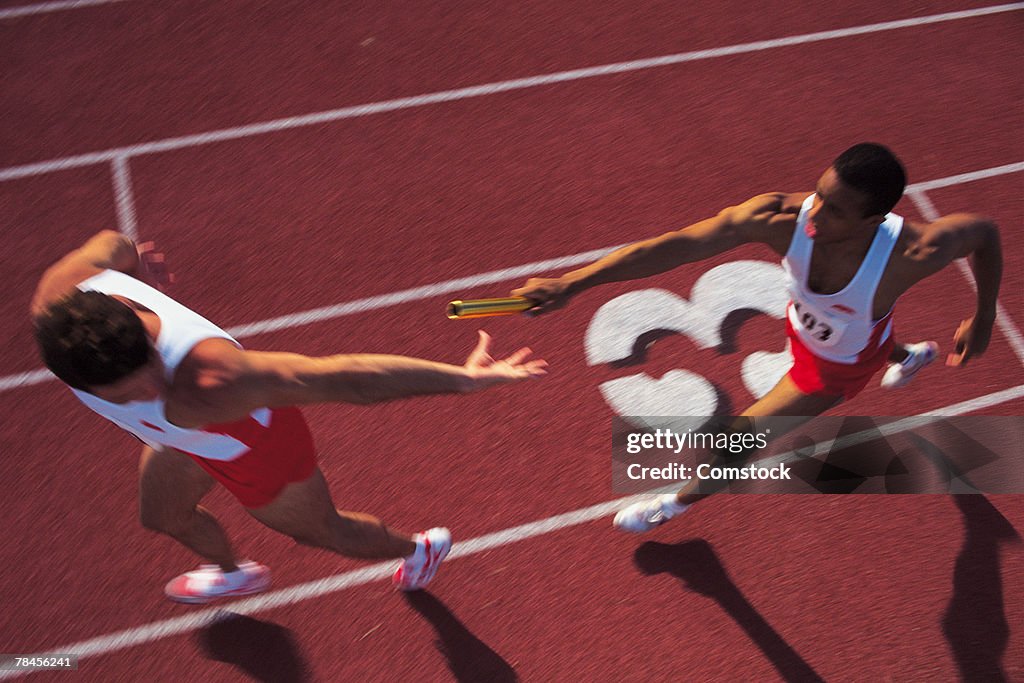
(225, 383)
(107, 249)
(977, 239)
(755, 220)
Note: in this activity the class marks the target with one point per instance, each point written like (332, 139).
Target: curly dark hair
(874, 170)
(90, 339)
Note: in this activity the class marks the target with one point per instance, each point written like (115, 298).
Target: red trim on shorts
(814, 375)
(279, 454)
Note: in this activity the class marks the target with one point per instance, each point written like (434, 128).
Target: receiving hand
(484, 371)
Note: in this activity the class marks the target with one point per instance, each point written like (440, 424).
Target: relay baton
(483, 308)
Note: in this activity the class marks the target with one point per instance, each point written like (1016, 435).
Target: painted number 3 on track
(612, 334)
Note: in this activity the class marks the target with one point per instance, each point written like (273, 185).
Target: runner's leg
(304, 511)
(784, 400)
(170, 487)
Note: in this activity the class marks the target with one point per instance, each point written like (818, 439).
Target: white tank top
(839, 327)
(180, 330)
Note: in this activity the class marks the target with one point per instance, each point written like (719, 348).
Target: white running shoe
(209, 582)
(918, 356)
(418, 569)
(644, 516)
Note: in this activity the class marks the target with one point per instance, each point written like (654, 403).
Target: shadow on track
(696, 564)
(469, 658)
(975, 620)
(265, 651)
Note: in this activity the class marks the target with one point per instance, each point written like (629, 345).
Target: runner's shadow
(469, 658)
(975, 620)
(696, 564)
(265, 651)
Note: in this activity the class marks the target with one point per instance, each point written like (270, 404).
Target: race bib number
(824, 329)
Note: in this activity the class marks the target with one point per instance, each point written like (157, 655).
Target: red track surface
(741, 588)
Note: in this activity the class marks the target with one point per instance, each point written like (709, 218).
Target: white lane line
(1003, 320)
(146, 633)
(47, 7)
(316, 315)
(124, 198)
(39, 168)
(966, 177)
(416, 293)
(25, 379)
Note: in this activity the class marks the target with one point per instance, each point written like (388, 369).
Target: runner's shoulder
(201, 391)
(936, 244)
(209, 366)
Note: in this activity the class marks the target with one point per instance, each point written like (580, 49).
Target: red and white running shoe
(209, 582)
(418, 569)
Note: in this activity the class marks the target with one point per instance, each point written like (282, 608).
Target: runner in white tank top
(839, 327)
(864, 257)
(180, 330)
(204, 406)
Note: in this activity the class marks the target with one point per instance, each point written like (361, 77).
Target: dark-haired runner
(208, 411)
(847, 261)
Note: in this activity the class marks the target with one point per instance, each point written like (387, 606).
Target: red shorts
(279, 455)
(814, 375)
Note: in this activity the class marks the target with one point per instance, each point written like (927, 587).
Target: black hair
(874, 170)
(90, 339)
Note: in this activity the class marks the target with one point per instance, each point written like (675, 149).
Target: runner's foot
(648, 514)
(418, 569)
(209, 582)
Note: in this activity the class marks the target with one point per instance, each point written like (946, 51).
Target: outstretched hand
(153, 266)
(485, 371)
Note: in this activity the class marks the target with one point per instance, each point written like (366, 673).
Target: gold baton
(482, 308)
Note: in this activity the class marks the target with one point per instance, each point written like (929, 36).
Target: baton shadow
(697, 565)
(468, 657)
(974, 622)
(263, 650)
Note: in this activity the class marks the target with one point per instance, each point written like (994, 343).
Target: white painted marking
(25, 379)
(145, 633)
(615, 328)
(1003, 320)
(416, 293)
(318, 118)
(124, 198)
(47, 7)
(966, 177)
